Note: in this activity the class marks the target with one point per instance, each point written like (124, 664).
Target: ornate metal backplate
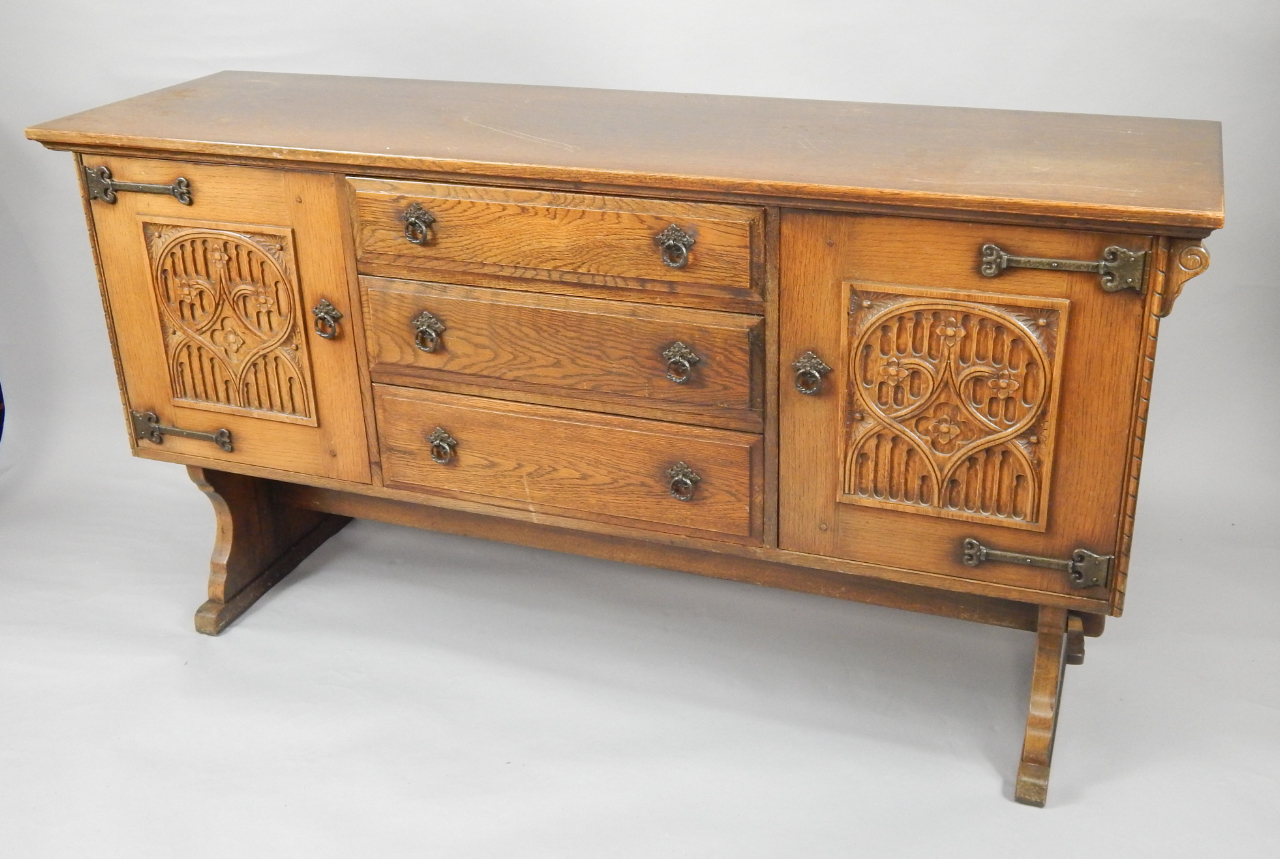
(426, 331)
(680, 361)
(442, 445)
(229, 312)
(809, 372)
(328, 319)
(683, 481)
(951, 407)
(419, 224)
(674, 243)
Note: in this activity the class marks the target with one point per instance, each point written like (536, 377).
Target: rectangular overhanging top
(1103, 169)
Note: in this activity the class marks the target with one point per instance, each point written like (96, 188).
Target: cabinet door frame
(249, 206)
(821, 255)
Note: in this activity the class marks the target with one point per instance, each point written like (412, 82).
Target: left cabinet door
(211, 306)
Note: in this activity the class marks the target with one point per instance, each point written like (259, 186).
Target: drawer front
(558, 241)
(576, 463)
(695, 361)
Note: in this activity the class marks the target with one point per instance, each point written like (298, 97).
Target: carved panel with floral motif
(231, 318)
(952, 402)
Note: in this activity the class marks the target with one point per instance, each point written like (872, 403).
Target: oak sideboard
(893, 354)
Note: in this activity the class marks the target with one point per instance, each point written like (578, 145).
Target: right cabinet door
(924, 404)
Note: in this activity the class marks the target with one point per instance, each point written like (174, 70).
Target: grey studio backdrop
(405, 693)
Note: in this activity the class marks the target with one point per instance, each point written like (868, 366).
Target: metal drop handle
(419, 225)
(674, 244)
(680, 361)
(809, 372)
(442, 446)
(684, 481)
(427, 330)
(327, 318)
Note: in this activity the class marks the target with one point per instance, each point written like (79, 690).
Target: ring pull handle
(419, 225)
(327, 317)
(684, 481)
(427, 330)
(674, 243)
(442, 446)
(809, 372)
(680, 361)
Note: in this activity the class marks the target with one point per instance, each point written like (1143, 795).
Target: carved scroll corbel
(1188, 258)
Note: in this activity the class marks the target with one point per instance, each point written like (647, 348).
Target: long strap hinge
(101, 186)
(146, 425)
(1119, 268)
(1084, 569)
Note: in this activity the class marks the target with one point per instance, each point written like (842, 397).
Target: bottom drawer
(587, 465)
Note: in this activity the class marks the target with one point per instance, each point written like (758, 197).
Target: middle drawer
(601, 354)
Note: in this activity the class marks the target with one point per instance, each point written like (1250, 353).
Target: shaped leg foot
(259, 542)
(1032, 787)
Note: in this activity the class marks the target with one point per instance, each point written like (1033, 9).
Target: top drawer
(559, 242)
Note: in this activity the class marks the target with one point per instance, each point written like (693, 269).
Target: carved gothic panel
(952, 402)
(231, 319)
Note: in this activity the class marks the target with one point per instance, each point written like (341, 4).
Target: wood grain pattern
(1032, 785)
(957, 406)
(259, 542)
(355, 299)
(107, 313)
(231, 202)
(1075, 639)
(579, 348)
(819, 255)
(1166, 271)
(1092, 608)
(773, 220)
(1107, 169)
(650, 409)
(594, 465)
(545, 239)
(647, 552)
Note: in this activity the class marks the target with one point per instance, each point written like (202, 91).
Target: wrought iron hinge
(1119, 268)
(147, 425)
(102, 187)
(1084, 568)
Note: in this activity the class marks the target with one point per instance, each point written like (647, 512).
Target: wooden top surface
(1111, 169)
